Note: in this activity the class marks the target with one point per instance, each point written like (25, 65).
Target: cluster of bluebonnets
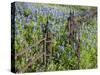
(30, 19)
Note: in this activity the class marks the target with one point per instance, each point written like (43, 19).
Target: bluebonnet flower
(60, 13)
(45, 10)
(61, 47)
(22, 26)
(34, 10)
(28, 18)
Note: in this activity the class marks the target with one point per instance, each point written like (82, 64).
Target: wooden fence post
(73, 35)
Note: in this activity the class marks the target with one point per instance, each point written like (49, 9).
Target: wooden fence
(43, 54)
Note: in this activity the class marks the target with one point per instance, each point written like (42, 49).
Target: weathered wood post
(44, 45)
(74, 35)
(48, 42)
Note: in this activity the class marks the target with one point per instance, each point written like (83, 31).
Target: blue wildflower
(28, 18)
(22, 26)
(61, 47)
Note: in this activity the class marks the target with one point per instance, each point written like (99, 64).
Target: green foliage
(64, 56)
